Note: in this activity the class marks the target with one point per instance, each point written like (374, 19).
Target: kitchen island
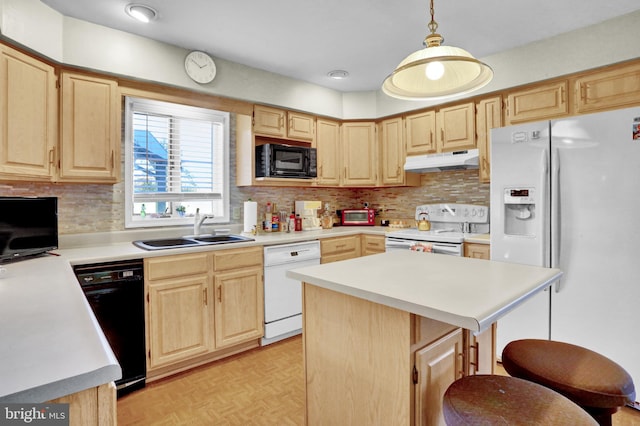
(378, 328)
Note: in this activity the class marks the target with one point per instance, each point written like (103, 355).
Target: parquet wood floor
(262, 387)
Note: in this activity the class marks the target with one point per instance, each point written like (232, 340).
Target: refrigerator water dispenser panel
(519, 212)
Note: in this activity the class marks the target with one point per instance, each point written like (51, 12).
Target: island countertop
(465, 292)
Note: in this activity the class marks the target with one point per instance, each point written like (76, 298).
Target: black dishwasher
(115, 292)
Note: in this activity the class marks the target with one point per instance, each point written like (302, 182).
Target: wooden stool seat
(503, 400)
(593, 381)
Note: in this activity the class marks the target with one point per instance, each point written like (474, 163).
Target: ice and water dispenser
(519, 211)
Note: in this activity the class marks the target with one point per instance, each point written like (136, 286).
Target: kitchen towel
(250, 215)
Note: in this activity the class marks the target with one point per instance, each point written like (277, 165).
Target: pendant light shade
(436, 72)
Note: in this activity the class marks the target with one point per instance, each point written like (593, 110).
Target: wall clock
(200, 67)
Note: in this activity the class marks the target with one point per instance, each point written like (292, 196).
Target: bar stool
(503, 400)
(594, 382)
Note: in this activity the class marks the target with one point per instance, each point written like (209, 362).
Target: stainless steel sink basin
(204, 240)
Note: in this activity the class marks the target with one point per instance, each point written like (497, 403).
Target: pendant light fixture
(436, 72)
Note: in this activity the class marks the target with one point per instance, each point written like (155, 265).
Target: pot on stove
(423, 224)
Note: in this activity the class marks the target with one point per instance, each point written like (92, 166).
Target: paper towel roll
(250, 215)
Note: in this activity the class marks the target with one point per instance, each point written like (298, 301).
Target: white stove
(450, 225)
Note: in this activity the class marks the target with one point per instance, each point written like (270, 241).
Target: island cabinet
(488, 116)
(359, 154)
(90, 129)
(339, 248)
(283, 124)
(202, 306)
(329, 152)
(456, 127)
(420, 131)
(28, 117)
(539, 102)
(93, 406)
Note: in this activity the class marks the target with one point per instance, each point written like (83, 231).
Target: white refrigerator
(566, 193)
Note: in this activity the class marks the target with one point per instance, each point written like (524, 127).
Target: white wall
(74, 42)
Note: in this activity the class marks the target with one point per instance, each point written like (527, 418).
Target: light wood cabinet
(179, 311)
(28, 117)
(420, 131)
(540, 102)
(437, 365)
(339, 248)
(283, 124)
(392, 151)
(359, 154)
(94, 406)
(616, 87)
(477, 250)
(90, 129)
(372, 244)
(239, 299)
(488, 116)
(329, 150)
(456, 127)
(481, 350)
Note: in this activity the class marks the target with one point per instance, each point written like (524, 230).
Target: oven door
(451, 249)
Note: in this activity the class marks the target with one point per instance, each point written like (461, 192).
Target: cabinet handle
(282, 122)
(561, 94)
(204, 292)
(220, 293)
(113, 159)
(52, 156)
(442, 135)
(476, 357)
(583, 91)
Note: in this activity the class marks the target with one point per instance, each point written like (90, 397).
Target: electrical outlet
(235, 214)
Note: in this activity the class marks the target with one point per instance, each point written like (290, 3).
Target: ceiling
(305, 39)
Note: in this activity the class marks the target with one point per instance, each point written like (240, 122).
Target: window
(177, 162)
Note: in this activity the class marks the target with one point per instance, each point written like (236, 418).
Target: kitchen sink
(204, 240)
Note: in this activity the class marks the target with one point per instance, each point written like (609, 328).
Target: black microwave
(285, 161)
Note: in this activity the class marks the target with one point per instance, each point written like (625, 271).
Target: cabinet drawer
(372, 244)
(164, 267)
(339, 248)
(225, 260)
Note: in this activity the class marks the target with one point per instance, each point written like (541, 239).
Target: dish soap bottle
(327, 217)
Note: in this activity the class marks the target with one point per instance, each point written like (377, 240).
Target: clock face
(200, 67)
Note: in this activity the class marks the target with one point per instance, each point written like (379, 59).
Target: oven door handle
(445, 249)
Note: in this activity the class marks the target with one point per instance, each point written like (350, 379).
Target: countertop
(52, 344)
(465, 292)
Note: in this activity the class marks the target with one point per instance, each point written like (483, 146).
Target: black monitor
(28, 226)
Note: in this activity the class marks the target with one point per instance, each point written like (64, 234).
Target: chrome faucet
(197, 223)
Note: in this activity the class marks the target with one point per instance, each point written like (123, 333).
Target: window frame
(133, 220)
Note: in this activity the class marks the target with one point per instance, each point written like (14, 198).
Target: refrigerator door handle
(555, 212)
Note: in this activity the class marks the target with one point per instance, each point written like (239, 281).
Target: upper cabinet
(359, 154)
(421, 133)
(456, 127)
(488, 116)
(283, 124)
(28, 117)
(537, 103)
(328, 146)
(601, 90)
(392, 151)
(90, 142)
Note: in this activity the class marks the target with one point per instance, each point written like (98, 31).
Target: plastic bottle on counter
(298, 226)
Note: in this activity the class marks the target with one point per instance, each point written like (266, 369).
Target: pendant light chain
(433, 25)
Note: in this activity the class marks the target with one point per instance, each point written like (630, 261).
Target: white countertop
(51, 344)
(468, 293)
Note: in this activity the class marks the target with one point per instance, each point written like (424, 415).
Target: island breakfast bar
(385, 335)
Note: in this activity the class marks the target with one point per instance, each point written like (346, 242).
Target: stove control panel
(453, 213)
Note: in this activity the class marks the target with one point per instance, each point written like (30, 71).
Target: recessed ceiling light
(141, 12)
(338, 74)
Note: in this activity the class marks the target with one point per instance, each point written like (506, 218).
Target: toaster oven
(358, 217)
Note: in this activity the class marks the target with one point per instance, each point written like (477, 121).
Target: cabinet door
(436, 366)
(179, 325)
(328, 146)
(90, 142)
(488, 116)
(540, 102)
(28, 117)
(477, 251)
(456, 127)
(392, 151)
(301, 126)
(269, 121)
(615, 88)
(372, 244)
(420, 133)
(359, 154)
(239, 306)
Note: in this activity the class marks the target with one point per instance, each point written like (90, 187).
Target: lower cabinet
(477, 251)
(339, 248)
(202, 306)
(372, 244)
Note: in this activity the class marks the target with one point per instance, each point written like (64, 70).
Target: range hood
(457, 160)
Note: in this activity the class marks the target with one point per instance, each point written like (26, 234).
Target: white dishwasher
(283, 295)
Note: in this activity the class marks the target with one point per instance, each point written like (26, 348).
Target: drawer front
(339, 245)
(159, 268)
(372, 244)
(224, 260)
